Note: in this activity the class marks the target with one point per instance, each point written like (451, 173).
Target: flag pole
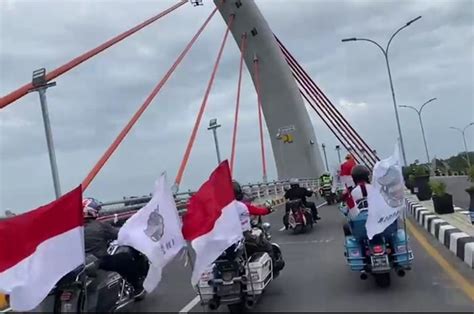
(250, 273)
(405, 230)
(191, 264)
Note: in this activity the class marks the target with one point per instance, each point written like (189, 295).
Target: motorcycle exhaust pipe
(363, 275)
(250, 303)
(401, 272)
(214, 304)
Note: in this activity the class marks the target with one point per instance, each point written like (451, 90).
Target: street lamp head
(213, 124)
(349, 39)
(432, 99)
(415, 19)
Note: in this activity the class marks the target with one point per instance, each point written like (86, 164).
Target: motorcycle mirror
(266, 226)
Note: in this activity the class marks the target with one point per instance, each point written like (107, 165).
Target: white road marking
(321, 205)
(188, 307)
(6, 310)
(306, 242)
(282, 229)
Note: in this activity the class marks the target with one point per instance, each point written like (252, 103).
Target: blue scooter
(386, 251)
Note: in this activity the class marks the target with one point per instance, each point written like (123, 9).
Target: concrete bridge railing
(257, 192)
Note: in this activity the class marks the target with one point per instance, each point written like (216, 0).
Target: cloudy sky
(89, 106)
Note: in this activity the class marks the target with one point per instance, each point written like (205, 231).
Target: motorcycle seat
(92, 265)
(294, 204)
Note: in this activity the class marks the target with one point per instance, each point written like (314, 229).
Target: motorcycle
(90, 289)
(378, 257)
(298, 217)
(236, 279)
(328, 194)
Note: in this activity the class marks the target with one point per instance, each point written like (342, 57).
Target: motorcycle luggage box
(103, 291)
(261, 270)
(354, 255)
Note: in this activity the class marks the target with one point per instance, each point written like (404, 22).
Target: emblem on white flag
(386, 197)
(155, 231)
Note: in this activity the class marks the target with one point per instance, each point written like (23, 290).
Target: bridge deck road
(316, 278)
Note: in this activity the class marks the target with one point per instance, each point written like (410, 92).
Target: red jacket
(256, 210)
(346, 167)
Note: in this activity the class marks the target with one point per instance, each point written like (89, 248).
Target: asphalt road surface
(456, 186)
(316, 278)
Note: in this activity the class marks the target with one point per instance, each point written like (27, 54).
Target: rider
(356, 198)
(299, 193)
(98, 235)
(325, 181)
(254, 244)
(346, 171)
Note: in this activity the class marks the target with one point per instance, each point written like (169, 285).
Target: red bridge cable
(143, 107)
(305, 93)
(316, 89)
(184, 162)
(335, 114)
(23, 90)
(237, 103)
(327, 123)
(323, 115)
(260, 123)
(323, 111)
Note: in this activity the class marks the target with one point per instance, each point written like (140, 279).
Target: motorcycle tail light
(66, 296)
(377, 249)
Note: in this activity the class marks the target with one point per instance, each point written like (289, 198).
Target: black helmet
(239, 195)
(360, 173)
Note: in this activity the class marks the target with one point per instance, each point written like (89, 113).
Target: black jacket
(298, 193)
(97, 237)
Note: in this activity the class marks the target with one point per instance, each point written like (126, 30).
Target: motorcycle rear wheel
(236, 307)
(382, 280)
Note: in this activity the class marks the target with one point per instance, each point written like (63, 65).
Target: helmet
(360, 173)
(91, 207)
(294, 181)
(348, 156)
(239, 195)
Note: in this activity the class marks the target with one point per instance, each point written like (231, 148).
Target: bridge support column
(294, 144)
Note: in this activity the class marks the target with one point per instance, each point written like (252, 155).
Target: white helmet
(294, 181)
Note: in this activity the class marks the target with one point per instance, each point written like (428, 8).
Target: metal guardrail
(122, 209)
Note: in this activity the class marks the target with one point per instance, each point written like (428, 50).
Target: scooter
(90, 289)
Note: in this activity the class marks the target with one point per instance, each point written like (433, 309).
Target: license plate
(224, 290)
(380, 262)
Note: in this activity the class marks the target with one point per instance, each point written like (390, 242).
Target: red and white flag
(212, 221)
(39, 247)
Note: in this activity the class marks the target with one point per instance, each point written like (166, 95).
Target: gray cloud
(432, 58)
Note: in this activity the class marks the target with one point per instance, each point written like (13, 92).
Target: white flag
(155, 231)
(386, 195)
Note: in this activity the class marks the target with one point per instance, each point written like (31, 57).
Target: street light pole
(40, 85)
(338, 149)
(213, 126)
(463, 132)
(325, 157)
(385, 53)
(421, 124)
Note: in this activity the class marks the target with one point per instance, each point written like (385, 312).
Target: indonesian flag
(212, 222)
(155, 231)
(39, 247)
